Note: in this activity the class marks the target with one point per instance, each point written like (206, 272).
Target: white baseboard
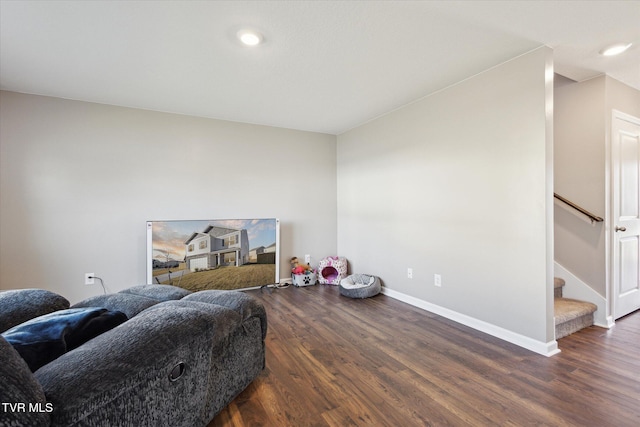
(546, 349)
(610, 322)
(577, 289)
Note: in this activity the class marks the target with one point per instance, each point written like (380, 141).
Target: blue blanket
(45, 338)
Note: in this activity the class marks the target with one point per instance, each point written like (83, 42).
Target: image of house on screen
(263, 255)
(215, 247)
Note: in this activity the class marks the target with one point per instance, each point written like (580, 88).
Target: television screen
(213, 254)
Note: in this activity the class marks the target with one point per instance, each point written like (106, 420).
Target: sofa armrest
(126, 375)
(245, 305)
(18, 306)
(19, 387)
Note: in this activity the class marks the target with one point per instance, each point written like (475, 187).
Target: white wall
(79, 180)
(459, 184)
(582, 127)
(579, 175)
(621, 97)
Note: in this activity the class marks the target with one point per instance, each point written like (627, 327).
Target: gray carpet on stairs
(572, 315)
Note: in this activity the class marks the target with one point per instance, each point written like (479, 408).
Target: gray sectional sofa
(178, 360)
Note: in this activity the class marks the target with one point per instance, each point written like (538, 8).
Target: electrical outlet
(437, 280)
(307, 259)
(409, 273)
(89, 279)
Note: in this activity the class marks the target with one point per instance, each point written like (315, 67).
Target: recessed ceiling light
(615, 49)
(250, 37)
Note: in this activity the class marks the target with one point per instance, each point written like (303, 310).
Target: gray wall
(459, 184)
(79, 180)
(579, 175)
(582, 129)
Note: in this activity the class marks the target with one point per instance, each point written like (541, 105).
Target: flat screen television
(214, 254)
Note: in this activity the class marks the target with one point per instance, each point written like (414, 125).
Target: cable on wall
(101, 283)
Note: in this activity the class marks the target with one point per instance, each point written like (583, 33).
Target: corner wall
(460, 184)
(583, 113)
(579, 175)
(78, 181)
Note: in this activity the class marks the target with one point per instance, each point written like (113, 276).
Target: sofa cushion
(157, 292)
(225, 320)
(245, 305)
(19, 386)
(45, 338)
(129, 304)
(18, 306)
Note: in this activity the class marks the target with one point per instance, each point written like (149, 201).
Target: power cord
(274, 286)
(101, 282)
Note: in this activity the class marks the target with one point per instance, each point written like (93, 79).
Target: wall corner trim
(546, 349)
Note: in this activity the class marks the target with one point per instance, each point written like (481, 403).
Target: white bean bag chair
(360, 286)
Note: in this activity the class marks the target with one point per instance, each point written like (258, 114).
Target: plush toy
(302, 274)
(298, 268)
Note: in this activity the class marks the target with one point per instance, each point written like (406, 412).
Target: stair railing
(594, 218)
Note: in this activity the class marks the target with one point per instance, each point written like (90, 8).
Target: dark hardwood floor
(335, 361)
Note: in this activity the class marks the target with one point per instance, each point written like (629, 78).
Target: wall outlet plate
(89, 279)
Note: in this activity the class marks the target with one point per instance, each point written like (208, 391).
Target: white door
(625, 224)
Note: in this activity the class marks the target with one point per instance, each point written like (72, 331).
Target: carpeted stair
(571, 315)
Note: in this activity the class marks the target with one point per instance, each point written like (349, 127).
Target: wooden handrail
(592, 217)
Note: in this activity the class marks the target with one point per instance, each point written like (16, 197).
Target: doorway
(624, 224)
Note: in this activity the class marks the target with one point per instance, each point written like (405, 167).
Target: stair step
(572, 315)
(558, 283)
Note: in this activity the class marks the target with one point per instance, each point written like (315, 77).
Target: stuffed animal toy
(302, 274)
(298, 268)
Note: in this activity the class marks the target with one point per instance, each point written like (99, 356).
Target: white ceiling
(325, 66)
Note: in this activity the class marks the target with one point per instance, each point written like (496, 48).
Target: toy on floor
(302, 274)
(332, 270)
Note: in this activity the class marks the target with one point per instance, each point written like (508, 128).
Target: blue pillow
(45, 338)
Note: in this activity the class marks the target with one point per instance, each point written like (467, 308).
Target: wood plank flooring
(335, 361)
